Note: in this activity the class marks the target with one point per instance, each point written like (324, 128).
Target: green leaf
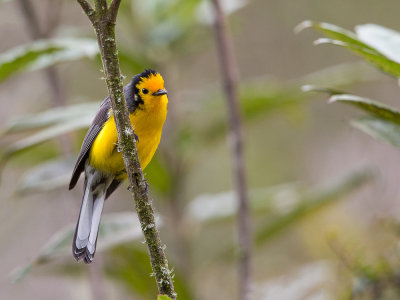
(372, 107)
(384, 40)
(115, 229)
(384, 123)
(335, 33)
(44, 53)
(314, 88)
(385, 64)
(366, 42)
(311, 202)
(379, 129)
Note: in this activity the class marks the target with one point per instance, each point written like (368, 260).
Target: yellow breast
(147, 123)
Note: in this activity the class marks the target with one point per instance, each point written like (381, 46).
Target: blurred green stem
(51, 74)
(229, 76)
(103, 19)
(96, 279)
(33, 26)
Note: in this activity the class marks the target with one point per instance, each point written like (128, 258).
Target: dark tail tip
(88, 257)
(82, 254)
(71, 185)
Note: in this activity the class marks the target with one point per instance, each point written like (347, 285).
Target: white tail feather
(85, 219)
(98, 208)
(84, 245)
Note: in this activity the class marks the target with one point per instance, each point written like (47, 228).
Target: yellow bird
(101, 161)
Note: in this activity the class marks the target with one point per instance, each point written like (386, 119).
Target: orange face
(151, 86)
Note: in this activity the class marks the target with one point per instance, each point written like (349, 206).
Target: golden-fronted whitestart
(101, 161)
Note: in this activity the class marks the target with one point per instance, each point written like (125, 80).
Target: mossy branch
(103, 19)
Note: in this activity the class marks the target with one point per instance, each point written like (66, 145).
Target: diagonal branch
(104, 26)
(229, 77)
(87, 8)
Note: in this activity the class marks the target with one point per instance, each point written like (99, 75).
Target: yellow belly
(147, 126)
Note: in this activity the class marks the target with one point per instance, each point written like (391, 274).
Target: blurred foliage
(384, 122)
(379, 46)
(282, 205)
(50, 117)
(115, 229)
(46, 176)
(309, 203)
(372, 279)
(280, 208)
(380, 129)
(44, 53)
(376, 44)
(49, 125)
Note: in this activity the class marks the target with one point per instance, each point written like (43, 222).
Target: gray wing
(101, 117)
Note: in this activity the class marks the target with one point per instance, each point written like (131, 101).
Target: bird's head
(149, 89)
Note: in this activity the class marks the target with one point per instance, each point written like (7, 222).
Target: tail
(85, 238)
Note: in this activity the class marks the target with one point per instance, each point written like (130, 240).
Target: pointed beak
(160, 92)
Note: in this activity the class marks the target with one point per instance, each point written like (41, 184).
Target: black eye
(145, 91)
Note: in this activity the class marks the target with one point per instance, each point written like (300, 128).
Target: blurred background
(323, 194)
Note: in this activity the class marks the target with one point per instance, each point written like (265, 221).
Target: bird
(101, 161)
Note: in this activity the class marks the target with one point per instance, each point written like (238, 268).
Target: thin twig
(33, 26)
(103, 21)
(229, 76)
(52, 76)
(30, 18)
(53, 14)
